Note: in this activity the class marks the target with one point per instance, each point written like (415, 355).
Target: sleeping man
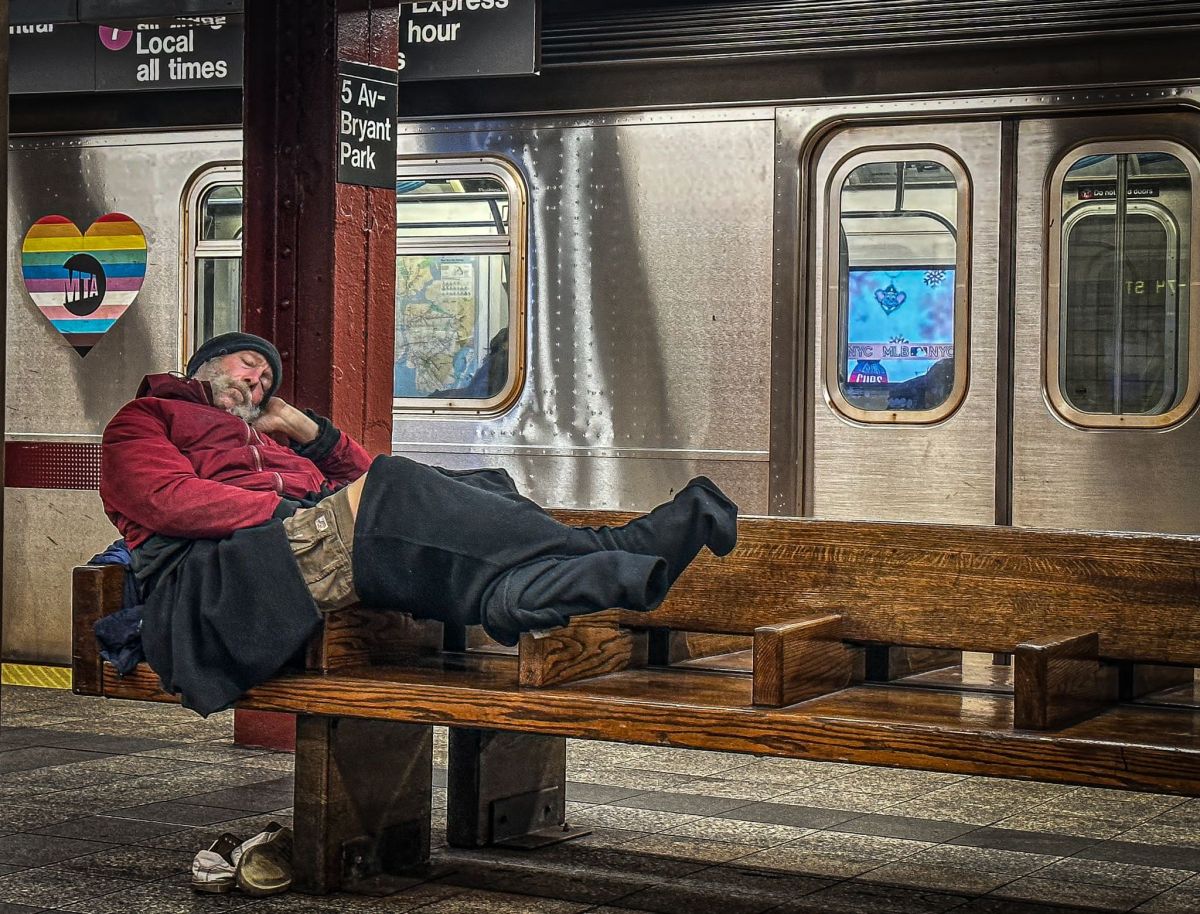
(239, 543)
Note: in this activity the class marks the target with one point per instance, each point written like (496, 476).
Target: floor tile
(1182, 858)
(799, 772)
(990, 904)
(903, 827)
(1088, 895)
(40, 850)
(1180, 899)
(676, 847)
(163, 898)
(53, 885)
(13, 760)
(1059, 823)
(968, 812)
(29, 818)
(1029, 842)
(1110, 873)
(501, 903)
(836, 856)
(143, 864)
(756, 834)
(734, 790)
(175, 812)
(671, 898)
(109, 829)
(560, 883)
(1186, 813)
(1151, 833)
(686, 803)
(986, 859)
(617, 859)
(619, 777)
(776, 884)
(650, 820)
(896, 782)
(857, 897)
(923, 874)
(597, 793)
(1108, 804)
(825, 797)
(251, 797)
(785, 814)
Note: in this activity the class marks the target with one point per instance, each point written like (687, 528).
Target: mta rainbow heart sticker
(84, 282)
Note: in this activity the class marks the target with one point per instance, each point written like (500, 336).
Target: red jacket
(172, 463)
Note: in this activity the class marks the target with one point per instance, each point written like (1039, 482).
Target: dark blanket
(465, 547)
(227, 617)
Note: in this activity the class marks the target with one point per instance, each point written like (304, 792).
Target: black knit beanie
(238, 342)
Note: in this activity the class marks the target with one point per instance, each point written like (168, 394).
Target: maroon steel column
(319, 257)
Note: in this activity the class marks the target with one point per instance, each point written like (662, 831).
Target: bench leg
(363, 801)
(506, 788)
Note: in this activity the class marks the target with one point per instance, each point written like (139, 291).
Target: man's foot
(723, 536)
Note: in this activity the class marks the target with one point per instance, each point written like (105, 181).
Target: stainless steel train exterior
(683, 277)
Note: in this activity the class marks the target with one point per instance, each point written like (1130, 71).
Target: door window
(898, 323)
(1119, 304)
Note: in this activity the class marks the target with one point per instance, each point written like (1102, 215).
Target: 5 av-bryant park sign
(439, 39)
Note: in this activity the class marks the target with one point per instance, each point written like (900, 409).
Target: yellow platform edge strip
(42, 677)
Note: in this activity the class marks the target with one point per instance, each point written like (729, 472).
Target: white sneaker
(263, 864)
(214, 869)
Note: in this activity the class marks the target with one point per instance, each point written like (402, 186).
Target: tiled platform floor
(103, 803)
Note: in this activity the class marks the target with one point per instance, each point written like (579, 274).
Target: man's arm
(145, 478)
(336, 454)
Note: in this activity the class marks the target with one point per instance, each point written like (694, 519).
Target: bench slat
(970, 588)
(1137, 748)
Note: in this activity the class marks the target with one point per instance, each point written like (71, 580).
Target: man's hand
(280, 417)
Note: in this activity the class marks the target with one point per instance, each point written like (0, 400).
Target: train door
(1106, 332)
(904, 407)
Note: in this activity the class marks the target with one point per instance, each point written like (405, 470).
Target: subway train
(894, 268)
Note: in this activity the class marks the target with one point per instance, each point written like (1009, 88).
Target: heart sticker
(83, 283)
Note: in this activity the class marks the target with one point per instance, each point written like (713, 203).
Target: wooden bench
(1104, 631)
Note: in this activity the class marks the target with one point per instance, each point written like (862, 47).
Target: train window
(1120, 297)
(215, 214)
(896, 310)
(459, 285)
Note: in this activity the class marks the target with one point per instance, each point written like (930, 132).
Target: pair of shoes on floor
(259, 866)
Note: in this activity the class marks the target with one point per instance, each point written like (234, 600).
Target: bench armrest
(96, 591)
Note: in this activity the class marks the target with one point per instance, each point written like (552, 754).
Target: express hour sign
(445, 39)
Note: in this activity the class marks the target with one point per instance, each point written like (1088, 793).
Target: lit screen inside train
(899, 323)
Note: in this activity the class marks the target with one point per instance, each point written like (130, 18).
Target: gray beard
(220, 382)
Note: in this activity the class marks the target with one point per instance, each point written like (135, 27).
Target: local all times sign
(187, 53)
(366, 125)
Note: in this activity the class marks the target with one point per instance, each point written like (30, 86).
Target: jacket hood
(175, 387)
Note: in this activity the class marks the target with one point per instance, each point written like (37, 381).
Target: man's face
(252, 378)
(239, 382)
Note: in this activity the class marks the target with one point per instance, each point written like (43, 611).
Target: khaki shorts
(322, 538)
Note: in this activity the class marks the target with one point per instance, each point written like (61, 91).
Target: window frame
(514, 244)
(835, 308)
(1053, 340)
(194, 249)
